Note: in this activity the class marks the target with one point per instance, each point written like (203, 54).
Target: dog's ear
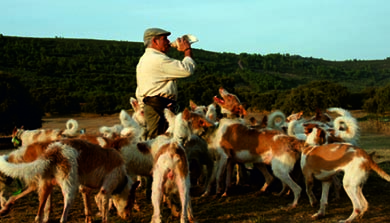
(264, 122)
(134, 103)
(186, 114)
(299, 115)
(193, 105)
(253, 121)
(242, 110)
(169, 116)
(321, 135)
(205, 123)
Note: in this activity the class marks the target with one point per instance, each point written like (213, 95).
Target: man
(156, 78)
(156, 81)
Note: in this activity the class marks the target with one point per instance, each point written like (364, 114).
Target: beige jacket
(157, 74)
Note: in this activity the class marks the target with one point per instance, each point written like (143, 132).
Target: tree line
(65, 76)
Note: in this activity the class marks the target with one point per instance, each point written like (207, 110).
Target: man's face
(162, 43)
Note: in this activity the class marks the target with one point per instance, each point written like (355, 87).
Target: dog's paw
(317, 216)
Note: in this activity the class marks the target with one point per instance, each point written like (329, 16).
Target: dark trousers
(156, 123)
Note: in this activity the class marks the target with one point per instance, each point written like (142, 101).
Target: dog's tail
(339, 111)
(375, 167)
(55, 152)
(130, 126)
(26, 171)
(126, 120)
(273, 118)
(72, 127)
(347, 128)
(296, 129)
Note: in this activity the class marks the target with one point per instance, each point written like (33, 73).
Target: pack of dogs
(200, 148)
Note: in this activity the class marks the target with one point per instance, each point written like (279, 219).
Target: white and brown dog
(71, 163)
(171, 168)
(325, 161)
(27, 137)
(126, 121)
(236, 142)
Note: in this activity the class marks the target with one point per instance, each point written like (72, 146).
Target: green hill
(74, 75)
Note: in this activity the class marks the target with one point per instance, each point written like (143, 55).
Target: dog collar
(15, 141)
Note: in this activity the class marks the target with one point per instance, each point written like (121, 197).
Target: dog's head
(230, 104)
(125, 200)
(16, 139)
(138, 114)
(181, 126)
(294, 116)
(322, 116)
(200, 109)
(315, 135)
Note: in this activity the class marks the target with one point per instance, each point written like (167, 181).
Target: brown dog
(72, 163)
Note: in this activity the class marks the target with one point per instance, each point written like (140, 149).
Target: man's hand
(183, 44)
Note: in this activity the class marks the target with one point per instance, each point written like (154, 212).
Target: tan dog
(27, 137)
(70, 163)
(325, 161)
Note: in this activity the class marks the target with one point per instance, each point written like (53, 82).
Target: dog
(138, 115)
(236, 142)
(345, 128)
(322, 162)
(171, 167)
(126, 121)
(71, 163)
(27, 137)
(231, 109)
(140, 155)
(22, 137)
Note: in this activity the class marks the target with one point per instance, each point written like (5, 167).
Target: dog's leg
(183, 185)
(2, 198)
(363, 201)
(45, 189)
(86, 192)
(139, 178)
(157, 193)
(104, 198)
(284, 189)
(229, 172)
(221, 169)
(12, 199)
(337, 187)
(282, 172)
(69, 190)
(352, 192)
(309, 181)
(267, 176)
(211, 180)
(47, 210)
(210, 166)
(324, 200)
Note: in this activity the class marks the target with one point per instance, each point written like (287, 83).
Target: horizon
(331, 30)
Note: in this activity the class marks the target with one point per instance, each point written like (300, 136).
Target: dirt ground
(242, 204)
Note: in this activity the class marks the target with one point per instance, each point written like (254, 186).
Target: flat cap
(151, 32)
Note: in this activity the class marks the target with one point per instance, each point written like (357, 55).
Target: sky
(335, 30)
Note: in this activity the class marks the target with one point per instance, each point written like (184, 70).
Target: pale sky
(328, 29)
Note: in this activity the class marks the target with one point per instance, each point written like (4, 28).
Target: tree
(17, 107)
(380, 102)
